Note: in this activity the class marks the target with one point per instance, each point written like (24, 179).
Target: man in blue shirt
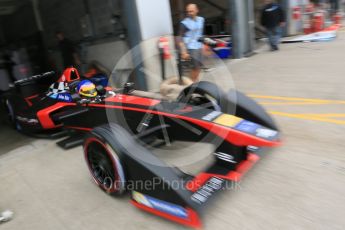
(191, 30)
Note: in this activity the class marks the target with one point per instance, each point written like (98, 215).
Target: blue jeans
(274, 34)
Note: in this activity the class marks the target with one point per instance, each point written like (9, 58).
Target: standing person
(334, 6)
(69, 54)
(273, 19)
(191, 30)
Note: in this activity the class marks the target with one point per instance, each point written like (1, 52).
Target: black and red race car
(120, 126)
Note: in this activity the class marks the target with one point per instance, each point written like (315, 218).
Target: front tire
(104, 161)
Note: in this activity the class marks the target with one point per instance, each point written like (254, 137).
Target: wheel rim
(101, 166)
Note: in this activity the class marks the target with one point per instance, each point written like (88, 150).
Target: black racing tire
(103, 155)
(234, 102)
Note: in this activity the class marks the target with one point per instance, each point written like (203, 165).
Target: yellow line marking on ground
(296, 99)
(292, 103)
(324, 115)
(306, 117)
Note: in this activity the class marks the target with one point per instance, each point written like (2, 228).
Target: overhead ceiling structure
(8, 7)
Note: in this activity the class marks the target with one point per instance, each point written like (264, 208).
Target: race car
(120, 126)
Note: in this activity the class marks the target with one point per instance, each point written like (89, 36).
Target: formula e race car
(121, 126)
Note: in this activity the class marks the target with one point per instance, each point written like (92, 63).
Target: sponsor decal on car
(207, 190)
(160, 205)
(266, 133)
(64, 97)
(211, 116)
(255, 129)
(53, 96)
(225, 157)
(61, 97)
(228, 120)
(248, 127)
(27, 120)
(252, 148)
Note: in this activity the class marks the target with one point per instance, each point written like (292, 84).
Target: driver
(87, 90)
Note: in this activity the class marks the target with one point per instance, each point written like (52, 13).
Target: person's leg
(278, 34)
(196, 56)
(270, 35)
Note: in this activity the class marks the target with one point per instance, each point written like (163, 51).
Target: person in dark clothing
(334, 6)
(68, 51)
(273, 19)
(8, 66)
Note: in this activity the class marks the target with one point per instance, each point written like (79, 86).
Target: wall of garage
(95, 25)
(79, 19)
(15, 28)
(88, 23)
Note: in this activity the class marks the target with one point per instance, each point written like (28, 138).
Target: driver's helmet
(87, 89)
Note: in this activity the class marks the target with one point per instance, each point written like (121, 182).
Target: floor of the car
(190, 157)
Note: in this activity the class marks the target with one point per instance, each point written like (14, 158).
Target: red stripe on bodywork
(27, 99)
(79, 128)
(192, 221)
(129, 99)
(44, 115)
(231, 135)
(236, 175)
